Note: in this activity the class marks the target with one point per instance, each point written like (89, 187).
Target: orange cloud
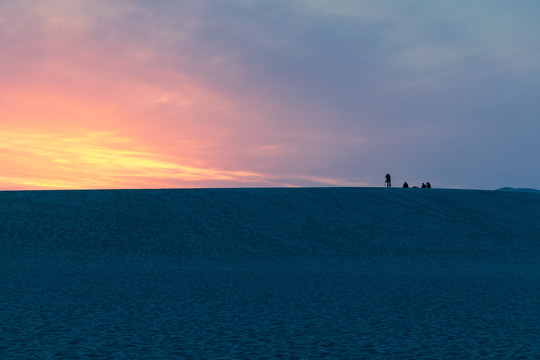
(91, 160)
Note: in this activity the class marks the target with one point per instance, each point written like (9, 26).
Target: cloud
(96, 160)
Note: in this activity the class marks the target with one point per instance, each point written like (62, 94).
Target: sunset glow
(134, 94)
(94, 160)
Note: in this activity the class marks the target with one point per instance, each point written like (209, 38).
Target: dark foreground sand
(333, 273)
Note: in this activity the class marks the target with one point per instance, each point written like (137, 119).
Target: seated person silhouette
(428, 185)
(405, 185)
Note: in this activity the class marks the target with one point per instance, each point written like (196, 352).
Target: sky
(99, 94)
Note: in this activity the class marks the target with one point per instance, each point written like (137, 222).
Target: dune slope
(318, 273)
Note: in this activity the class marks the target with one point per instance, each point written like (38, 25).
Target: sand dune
(243, 225)
(269, 273)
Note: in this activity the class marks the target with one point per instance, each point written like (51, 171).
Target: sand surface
(330, 273)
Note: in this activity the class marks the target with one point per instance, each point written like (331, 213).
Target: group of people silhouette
(388, 182)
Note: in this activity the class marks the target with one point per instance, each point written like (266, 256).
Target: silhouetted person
(428, 185)
(387, 180)
(405, 185)
(423, 186)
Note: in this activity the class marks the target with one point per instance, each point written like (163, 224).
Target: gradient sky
(235, 93)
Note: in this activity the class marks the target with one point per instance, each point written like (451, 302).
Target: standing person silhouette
(387, 180)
